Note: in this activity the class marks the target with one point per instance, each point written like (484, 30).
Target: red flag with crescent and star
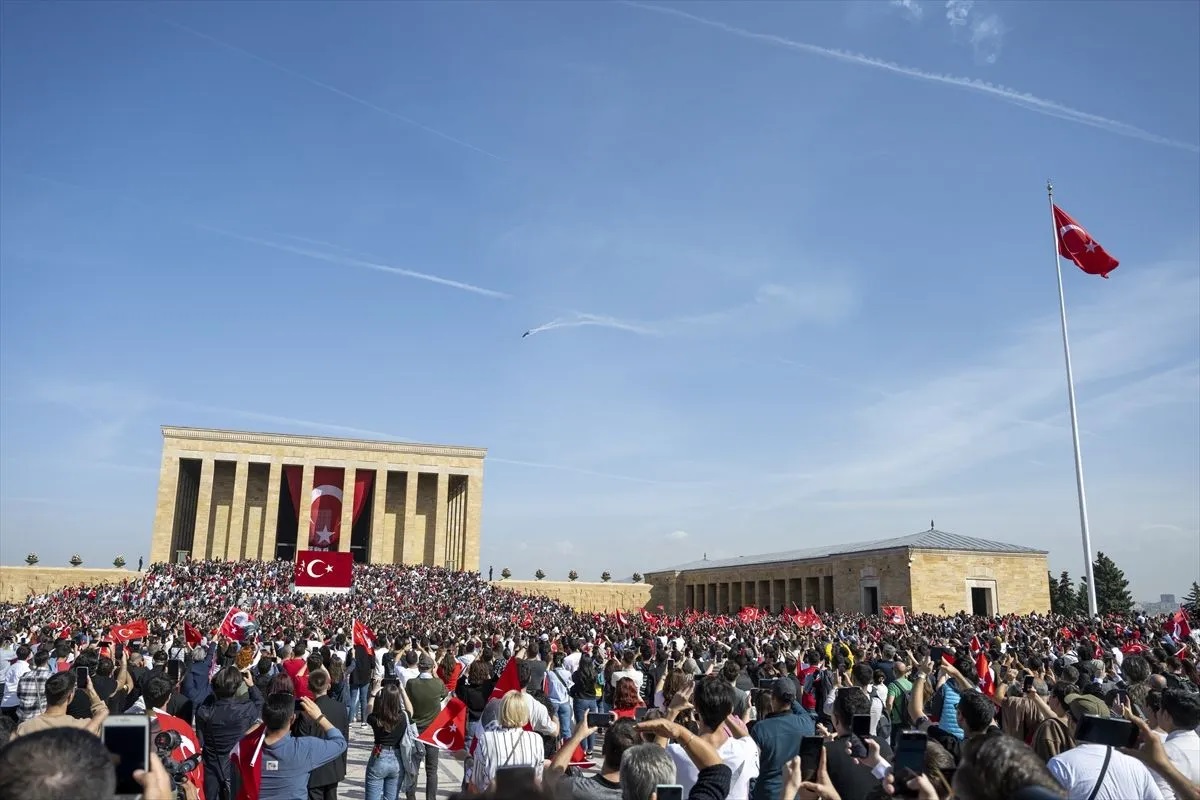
(137, 629)
(1078, 245)
(508, 681)
(324, 571)
(191, 635)
(448, 731)
(325, 526)
(895, 615)
(233, 626)
(364, 636)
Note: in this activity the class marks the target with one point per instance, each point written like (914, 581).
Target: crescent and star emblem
(313, 563)
(125, 633)
(1088, 243)
(450, 729)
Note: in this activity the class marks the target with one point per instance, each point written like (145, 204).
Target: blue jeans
(581, 709)
(383, 776)
(359, 696)
(563, 712)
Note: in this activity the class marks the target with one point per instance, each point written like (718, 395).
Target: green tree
(1112, 589)
(1063, 599)
(1192, 601)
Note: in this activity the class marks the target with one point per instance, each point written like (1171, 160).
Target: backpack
(901, 702)
(883, 729)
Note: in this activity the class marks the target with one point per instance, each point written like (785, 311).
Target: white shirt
(12, 677)
(571, 662)
(633, 674)
(740, 755)
(510, 747)
(1126, 779)
(1183, 748)
(406, 674)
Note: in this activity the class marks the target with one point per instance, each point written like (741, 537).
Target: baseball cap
(1081, 704)
(784, 689)
(424, 663)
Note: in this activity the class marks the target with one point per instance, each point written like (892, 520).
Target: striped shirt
(510, 747)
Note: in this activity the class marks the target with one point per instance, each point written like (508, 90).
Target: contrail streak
(1025, 100)
(330, 88)
(335, 258)
(594, 320)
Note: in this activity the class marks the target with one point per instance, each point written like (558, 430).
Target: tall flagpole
(1083, 517)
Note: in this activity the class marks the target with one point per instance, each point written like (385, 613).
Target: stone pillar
(203, 509)
(237, 512)
(440, 515)
(348, 476)
(383, 543)
(305, 511)
(271, 515)
(471, 529)
(773, 602)
(163, 534)
(408, 545)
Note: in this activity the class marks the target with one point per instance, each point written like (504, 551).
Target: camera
(165, 743)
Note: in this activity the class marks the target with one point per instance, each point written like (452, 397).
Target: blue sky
(811, 239)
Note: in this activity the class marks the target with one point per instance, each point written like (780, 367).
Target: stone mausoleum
(929, 572)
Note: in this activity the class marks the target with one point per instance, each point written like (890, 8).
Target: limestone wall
(18, 583)
(1019, 581)
(586, 597)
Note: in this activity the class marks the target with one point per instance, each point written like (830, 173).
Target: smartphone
(910, 751)
(1028, 683)
(861, 725)
(810, 756)
(767, 684)
(119, 652)
(174, 669)
(940, 655)
(640, 713)
(1107, 731)
(598, 719)
(81, 678)
(670, 665)
(127, 738)
(390, 681)
(668, 792)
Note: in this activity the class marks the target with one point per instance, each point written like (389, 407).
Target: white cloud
(677, 536)
(987, 37)
(911, 8)
(957, 11)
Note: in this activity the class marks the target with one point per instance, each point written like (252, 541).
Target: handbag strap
(1103, 772)
(513, 750)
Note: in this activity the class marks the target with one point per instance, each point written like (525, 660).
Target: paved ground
(450, 772)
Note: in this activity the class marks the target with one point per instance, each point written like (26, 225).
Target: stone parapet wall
(586, 597)
(18, 583)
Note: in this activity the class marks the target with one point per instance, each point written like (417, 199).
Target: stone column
(383, 543)
(271, 515)
(441, 515)
(203, 509)
(237, 513)
(348, 476)
(162, 536)
(771, 594)
(305, 511)
(474, 512)
(408, 544)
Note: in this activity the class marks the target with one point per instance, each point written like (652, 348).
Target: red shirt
(625, 713)
(296, 670)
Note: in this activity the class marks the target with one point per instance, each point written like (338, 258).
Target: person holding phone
(778, 736)
(287, 760)
(60, 689)
(509, 746)
(713, 699)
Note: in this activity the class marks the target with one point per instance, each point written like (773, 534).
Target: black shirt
(387, 737)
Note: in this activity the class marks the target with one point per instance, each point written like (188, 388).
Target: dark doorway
(870, 599)
(285, 522)
(980, 605)
(360, 533)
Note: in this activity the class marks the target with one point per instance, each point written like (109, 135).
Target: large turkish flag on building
(326, 526)
(322, 571)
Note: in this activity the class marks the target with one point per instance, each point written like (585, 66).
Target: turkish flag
(326, 524)
(987, 684)
(448, 731)
(975, 645)
(191, 635)
(137, 629)
(580, 759)
(1078, 245)
(508, 680)
(247, 758)
(362, 635)
(321, 569)
(895, 615)
(1177, 625)
(234, 624)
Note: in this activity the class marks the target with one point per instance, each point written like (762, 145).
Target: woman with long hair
(626, 699)
(339, 681)
(475, 689)
(508, 746)
(447, 668)
(388, 723)
(585, 692)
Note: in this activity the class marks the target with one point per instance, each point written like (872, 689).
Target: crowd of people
(641, 705)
